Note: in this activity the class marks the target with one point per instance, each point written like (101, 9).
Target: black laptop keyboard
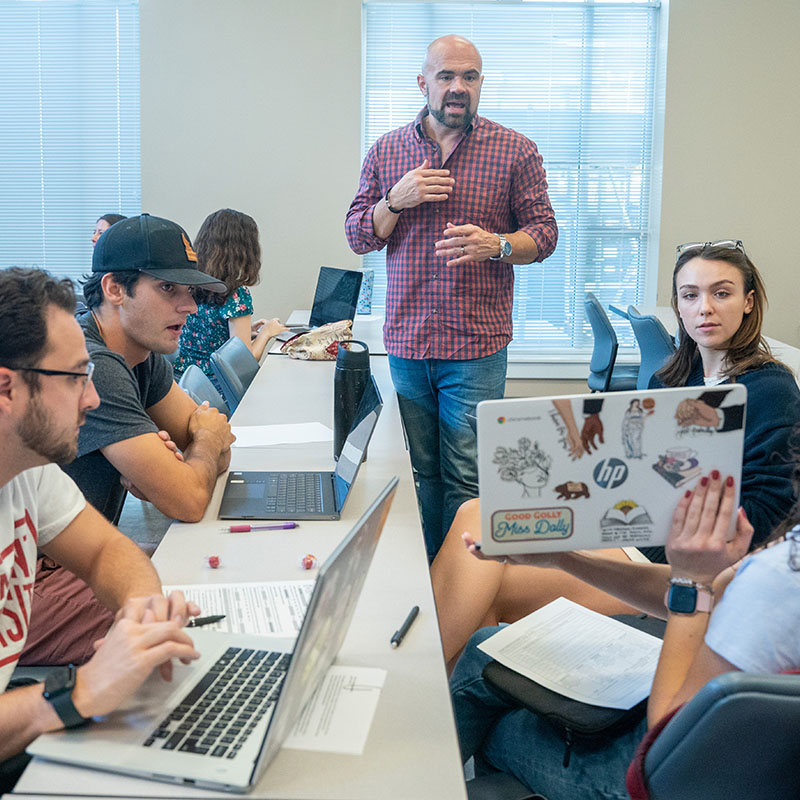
(293, 491)
(223, 709)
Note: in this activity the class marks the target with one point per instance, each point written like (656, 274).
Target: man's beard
(442, 117)
(37, 434)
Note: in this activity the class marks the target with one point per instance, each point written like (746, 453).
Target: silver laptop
(335, 298)
(305, 495)
(222, 719)
(600, 470)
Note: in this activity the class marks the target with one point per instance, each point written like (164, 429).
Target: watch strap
(703, 596)
(58, 688)
(389, 206)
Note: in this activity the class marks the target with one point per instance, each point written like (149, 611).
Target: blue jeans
(434, 396)
(503, 737)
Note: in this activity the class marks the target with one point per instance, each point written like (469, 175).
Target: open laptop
(600, 470)
(305, 495)
(335, 298)
(222, 719)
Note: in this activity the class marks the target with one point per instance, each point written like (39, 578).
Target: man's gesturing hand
(463, 244)
(421, 185)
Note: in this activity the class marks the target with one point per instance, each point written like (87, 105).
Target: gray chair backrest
(655, 344)
(739, 736)
(234, 367)
(604, 353)
(199, 387)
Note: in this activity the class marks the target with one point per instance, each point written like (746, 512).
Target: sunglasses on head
(725, 244)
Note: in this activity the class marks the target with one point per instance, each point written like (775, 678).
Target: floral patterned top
(206, 330)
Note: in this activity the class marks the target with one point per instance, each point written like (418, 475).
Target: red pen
(278, 527)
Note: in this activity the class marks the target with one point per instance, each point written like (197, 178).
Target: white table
(412, 750)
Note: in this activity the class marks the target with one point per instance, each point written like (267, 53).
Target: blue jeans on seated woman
(434, 396)
(503, 737)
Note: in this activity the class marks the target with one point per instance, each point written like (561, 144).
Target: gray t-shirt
(125, 396)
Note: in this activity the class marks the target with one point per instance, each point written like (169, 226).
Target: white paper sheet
(339, 714)
(579, 653)
(265, 607)
(266, 435)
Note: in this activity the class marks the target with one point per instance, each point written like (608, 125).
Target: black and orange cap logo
(190, 253)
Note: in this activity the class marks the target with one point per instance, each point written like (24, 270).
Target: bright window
(69, 127)
(579, 78)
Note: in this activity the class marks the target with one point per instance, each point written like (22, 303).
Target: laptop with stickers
(600, 470)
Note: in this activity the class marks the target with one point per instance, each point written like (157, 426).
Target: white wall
(255, 104)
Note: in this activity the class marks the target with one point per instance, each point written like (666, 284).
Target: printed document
(262, 607)
(339, 714)
(580, 654)
(294, 433)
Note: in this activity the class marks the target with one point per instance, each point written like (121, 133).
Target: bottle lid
(353, 354)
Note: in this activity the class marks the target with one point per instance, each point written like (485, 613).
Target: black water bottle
(349, 381)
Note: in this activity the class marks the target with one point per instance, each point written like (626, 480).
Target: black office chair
(604, 376)
(199, 387)
(737, 737)
(655, 344)
(234, 368)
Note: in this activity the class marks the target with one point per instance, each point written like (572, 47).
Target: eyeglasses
(725, 244)
(87, 376)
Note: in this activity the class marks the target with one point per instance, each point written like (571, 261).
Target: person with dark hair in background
(103, 224)
(457, 200)
(46, 390)
(228, 249)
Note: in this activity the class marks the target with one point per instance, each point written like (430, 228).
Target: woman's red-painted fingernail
(688, 494)
(715, 474)
(729, 480)
(704, 481)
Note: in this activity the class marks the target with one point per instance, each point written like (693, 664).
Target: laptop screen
(357, 440)
(336, 296)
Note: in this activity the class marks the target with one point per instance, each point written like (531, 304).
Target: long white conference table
(412, 749)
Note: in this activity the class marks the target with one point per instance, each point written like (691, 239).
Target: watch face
(682, 599)
(57, 681)
(505, 247)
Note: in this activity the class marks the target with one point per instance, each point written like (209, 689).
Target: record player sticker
(678, 465)
(539, 524)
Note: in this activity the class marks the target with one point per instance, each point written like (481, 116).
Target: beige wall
(255, 104)
(731, 157)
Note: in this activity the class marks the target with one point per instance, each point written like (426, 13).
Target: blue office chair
(655, 344)
(199, 387)
(737, 737)
(603, 375)
(234, 368)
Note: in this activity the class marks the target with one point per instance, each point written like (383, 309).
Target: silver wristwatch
(505, 248)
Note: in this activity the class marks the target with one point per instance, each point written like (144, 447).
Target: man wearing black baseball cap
(138, 296)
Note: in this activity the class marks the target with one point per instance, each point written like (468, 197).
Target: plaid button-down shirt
(432, 310)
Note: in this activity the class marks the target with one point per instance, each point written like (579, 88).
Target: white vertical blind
(69, 127)
(579, 79)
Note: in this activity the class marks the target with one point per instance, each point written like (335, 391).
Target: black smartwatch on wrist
(687, 597)
(58, 687)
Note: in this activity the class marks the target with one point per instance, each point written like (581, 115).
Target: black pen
(399, 635)
(198, 622)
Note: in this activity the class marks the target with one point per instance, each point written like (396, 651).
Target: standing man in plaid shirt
(458, 200)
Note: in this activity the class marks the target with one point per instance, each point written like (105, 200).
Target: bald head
(451, 81)
(450, 46)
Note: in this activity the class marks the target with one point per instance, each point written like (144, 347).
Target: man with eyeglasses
(46, 391)
(138, 296)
